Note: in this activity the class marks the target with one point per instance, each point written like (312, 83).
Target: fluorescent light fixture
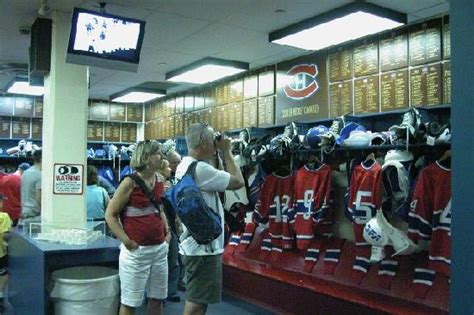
(20, 86)
(337, 26)
(206, 70)
(137, 95)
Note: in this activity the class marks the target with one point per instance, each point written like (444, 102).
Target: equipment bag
(202, 222)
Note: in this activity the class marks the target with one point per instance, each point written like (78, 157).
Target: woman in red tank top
(144, 232)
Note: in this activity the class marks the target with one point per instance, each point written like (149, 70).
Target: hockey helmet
(313, 136)
(399, 155)
(357, 138)
(346, 131)
(374, 233)
(378, 138)
(378, 232)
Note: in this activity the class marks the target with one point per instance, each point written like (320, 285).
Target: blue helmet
(346, 131)
(313, 136)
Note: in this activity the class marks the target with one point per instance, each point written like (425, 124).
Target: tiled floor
(228, 306)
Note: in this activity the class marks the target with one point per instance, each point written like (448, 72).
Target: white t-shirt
(210, 181)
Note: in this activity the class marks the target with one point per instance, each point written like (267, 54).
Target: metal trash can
(86, 290)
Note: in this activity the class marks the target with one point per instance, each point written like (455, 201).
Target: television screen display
(105, 40)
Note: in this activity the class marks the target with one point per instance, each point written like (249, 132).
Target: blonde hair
(142, 153)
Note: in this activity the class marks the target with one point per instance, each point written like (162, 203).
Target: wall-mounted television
(105, 40)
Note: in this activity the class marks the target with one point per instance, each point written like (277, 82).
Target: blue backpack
(203, 223)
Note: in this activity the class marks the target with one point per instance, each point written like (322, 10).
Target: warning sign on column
(68, 179)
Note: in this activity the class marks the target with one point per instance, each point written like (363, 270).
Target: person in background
(5, 226)
(173, 253)
(144, 233)
(10, 188)
(31, 188)
(203, 263)
(174, 159)
(96, 196)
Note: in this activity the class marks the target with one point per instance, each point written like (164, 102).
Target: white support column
(64, 129)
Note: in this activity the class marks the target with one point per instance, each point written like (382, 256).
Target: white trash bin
(86, 290)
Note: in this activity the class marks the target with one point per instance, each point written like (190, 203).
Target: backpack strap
(144, 188)
(192, 169)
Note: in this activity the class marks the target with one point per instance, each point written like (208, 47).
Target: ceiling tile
(261, 16)
(410, 7)
(209, 10)
(162, 61)
(215, 38)
(163, 29)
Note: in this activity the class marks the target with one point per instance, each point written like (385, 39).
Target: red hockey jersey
(365, 198)
(311, 201)
(430, 215)
(273, 206)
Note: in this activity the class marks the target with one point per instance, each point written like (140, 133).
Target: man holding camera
(203, 263)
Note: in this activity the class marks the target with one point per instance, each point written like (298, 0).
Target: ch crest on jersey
(302, 81)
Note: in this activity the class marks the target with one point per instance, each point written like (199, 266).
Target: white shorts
(143, 269)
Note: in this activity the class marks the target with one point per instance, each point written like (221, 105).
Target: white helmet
(357, 138)
(378, 233)
(399, 155)
(374, 234)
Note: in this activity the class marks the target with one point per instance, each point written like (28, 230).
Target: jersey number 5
(363, 209)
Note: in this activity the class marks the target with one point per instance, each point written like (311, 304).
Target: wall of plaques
(393, 71)
(21, 118)
(114, 122)
(407, 67)
(105, 131)
(242, 102)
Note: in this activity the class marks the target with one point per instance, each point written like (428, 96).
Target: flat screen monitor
(105, 40)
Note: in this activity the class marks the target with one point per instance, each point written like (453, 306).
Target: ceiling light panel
(337, 26)
(136, 97)
(22, 87)
(206, 70)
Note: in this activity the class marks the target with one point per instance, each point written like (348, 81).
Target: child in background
(5, 226)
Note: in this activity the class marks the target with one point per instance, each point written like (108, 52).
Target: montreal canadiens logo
(302, 81)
